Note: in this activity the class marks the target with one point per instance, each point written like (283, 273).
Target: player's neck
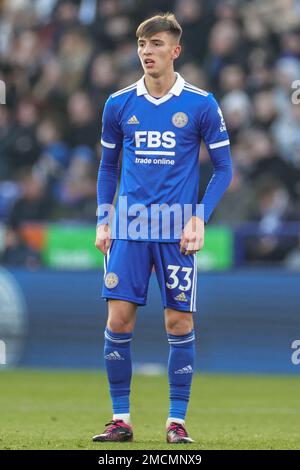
(158, 87)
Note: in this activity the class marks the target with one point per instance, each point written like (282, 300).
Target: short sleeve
(213, 127)
(112, 136)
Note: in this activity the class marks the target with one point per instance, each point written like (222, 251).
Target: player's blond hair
(165, 22)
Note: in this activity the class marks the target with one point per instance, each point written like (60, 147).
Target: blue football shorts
(128, 266)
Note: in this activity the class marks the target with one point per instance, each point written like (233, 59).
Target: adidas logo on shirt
(185, 370)
(133, 120)
(114, 356)
(181, 297)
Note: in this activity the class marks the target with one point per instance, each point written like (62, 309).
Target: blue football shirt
(160, 139)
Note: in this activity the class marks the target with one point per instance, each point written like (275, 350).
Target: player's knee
(119, 325)
(121, 317)
(180, 323)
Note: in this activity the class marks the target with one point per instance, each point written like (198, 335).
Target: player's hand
(103, 238)
(192, 238)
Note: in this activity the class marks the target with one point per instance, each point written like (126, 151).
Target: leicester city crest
(180, 119)
(111, 280)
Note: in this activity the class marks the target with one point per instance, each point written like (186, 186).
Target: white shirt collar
(175, 90)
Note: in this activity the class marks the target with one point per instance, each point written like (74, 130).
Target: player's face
(157, 53)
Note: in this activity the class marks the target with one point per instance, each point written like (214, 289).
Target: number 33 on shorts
(181, 285)
(175, 279)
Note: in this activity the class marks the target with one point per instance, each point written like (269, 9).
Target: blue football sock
(117, 358)
(180, 372)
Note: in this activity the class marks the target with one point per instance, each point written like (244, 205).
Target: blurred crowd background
(60, 59)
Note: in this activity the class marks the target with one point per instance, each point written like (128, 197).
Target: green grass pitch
(63, 410)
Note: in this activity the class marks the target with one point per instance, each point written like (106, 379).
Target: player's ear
(176, 51)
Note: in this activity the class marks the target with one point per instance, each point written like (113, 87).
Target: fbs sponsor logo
(185, 370)
(133, 120)
(154, 140)
(114, 356)
(111, 280)
(181, 297)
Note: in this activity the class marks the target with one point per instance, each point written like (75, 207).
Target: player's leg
(181, 338)
(177, 275)
(125, 287)
(117, 355)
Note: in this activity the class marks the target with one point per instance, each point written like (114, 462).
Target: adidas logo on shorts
(181, 297)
